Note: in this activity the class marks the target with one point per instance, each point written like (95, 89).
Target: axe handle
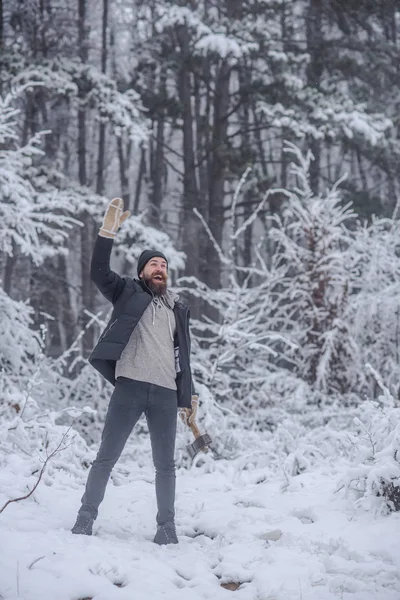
(195, 429)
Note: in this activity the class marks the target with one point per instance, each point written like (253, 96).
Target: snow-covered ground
(280, 540)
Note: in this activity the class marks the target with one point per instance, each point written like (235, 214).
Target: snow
(224, 46)
(297, 511)
(326, 114)
(280, 541)
(171, 16)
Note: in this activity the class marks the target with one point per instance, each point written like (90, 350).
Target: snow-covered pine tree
(314, 237)
(34, 221)
(373, 313)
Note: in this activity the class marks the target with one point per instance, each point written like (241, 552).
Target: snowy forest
(257, 144)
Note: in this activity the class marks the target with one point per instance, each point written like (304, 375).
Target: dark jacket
(130, 300)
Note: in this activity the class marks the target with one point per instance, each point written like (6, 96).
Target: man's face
(155, 275)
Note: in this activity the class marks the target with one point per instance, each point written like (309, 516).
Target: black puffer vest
(130, 300)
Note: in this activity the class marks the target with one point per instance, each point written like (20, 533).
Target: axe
(202, 441)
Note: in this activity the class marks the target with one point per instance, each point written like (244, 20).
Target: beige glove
(113, 218)
(188, 415)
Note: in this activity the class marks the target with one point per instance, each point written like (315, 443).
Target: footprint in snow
(305, 516)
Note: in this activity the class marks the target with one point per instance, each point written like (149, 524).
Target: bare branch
(55, 451)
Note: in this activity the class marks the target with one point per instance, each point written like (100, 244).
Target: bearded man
(145, 353)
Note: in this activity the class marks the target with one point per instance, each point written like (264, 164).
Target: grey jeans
(129, 400)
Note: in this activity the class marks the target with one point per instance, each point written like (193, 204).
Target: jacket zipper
(107, 330)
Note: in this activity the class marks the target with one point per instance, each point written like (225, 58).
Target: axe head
(200, 443)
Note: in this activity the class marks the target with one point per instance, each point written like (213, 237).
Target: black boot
(84, 524)
(166, 534)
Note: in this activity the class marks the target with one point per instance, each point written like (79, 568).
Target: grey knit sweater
(149, 353)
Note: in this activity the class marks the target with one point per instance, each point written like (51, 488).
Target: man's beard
(157, 287)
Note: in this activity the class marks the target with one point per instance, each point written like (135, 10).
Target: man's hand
(113, 218)
(188, 415)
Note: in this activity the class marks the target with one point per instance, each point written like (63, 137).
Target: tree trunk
(67, 323)
(191, 225)
(247, 158)
(259, 143)
(123, 162)
(203, 106)
(124, 153)
(158, 162)
(202, 126)
(140, 177)
(124, 158)
(102, 128)
(87, 231)
(1, 30)
(217, 171)
(9, 267)
(315, 47)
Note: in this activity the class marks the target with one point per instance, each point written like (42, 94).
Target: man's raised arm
(109, 283)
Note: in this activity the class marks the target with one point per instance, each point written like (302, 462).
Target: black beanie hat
(146, 256)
